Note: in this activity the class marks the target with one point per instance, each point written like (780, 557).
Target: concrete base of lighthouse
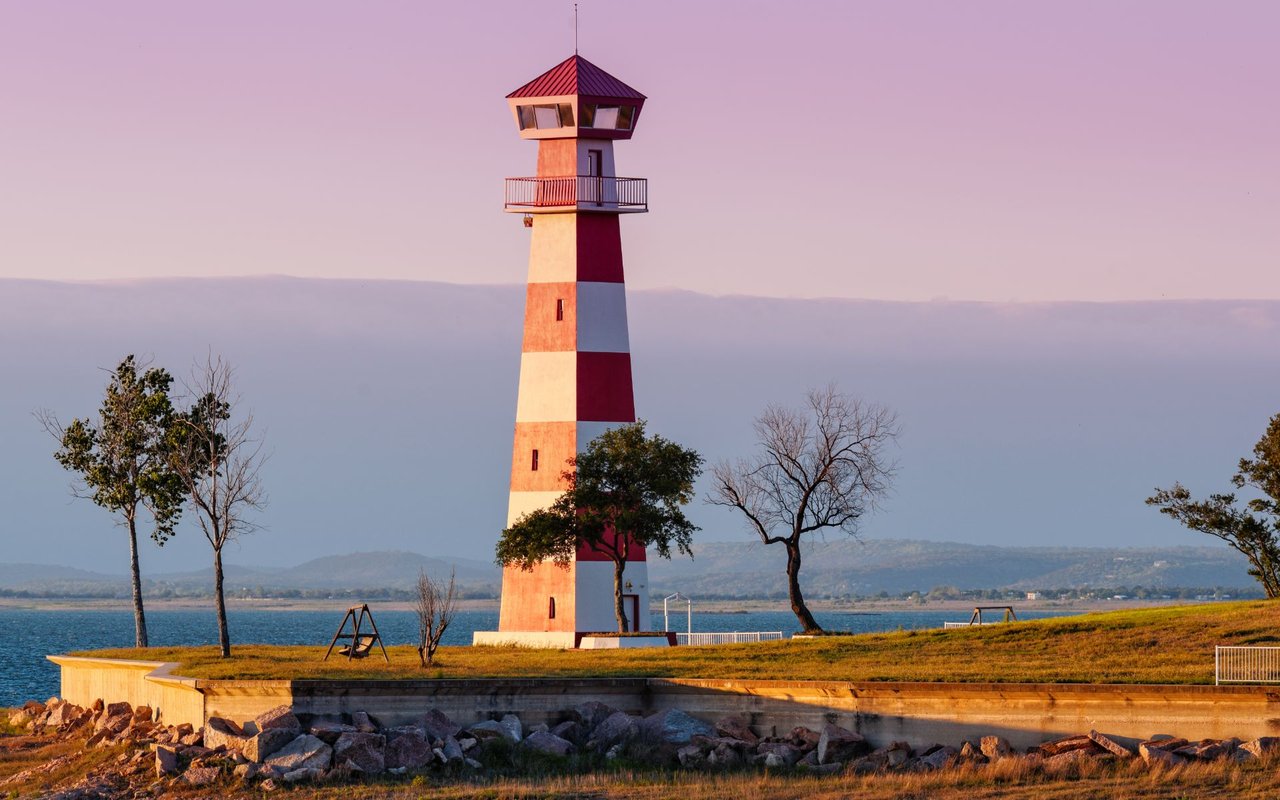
(549, 640)
(569, 640)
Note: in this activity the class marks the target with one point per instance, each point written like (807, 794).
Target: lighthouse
(575, 363)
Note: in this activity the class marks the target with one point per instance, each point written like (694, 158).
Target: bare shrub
(435, 606)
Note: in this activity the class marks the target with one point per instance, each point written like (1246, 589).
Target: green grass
(1151, 645)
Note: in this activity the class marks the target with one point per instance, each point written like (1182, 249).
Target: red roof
(576, 75)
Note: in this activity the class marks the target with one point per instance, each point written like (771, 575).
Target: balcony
(605, 194)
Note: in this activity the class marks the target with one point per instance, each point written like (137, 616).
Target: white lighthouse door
(631, 605)
(595, 193)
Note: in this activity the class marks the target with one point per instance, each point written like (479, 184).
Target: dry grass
(1006, 779)
(1154, 645)
(49, 764)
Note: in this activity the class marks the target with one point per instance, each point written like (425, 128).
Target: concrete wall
(920, 713)
(173, 699)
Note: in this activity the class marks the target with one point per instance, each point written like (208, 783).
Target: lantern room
(575, 99)
(576, 110)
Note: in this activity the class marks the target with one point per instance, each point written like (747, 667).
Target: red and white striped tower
(575, 366)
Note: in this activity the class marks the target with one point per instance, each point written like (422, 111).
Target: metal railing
(736, 637)
(1236, 664)
(601, 192)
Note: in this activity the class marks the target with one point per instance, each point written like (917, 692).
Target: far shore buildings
(575, 365)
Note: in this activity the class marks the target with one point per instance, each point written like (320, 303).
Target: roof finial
(575, 29)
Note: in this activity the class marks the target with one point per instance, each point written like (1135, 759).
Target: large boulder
(837, 744)
(994, 747)
(328, 731)
(278, 717)
(548, 743)
(1259, 747)
(775, 754)
(303, 775)
(804, 738)
(570, 730)
(617, 728)
(258, 747)
(1111, 745)
(728, 753)
(304, 752)
(437, 725)
(201, 776)
(674, 726)
(1073, 757)
(939, 758)
(737, 726)
(1161, 751)
(364, 752)
(20, 718)
(407, 748)
(508, 727)
(224, 733)
(590, 714)
(166, 761)
(1067, 744)
(511, 724)
(452, 750)
(115, 716)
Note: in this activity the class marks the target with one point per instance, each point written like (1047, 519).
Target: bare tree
(436, 606)
(218, 460)
(820, 467)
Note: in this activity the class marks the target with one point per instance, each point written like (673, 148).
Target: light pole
(689, 610)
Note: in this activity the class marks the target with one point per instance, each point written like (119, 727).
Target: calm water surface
(29, 635)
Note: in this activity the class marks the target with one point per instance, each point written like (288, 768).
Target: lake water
(30, 635)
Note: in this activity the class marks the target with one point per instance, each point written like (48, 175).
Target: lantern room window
(546, 117)
(617, 118)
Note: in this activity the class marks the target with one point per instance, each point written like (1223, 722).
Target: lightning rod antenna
(575, 29)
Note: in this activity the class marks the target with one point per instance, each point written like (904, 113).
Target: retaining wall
(919, 713)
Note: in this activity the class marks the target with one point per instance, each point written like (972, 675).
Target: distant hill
(848, 567)
(388, 405)
(382, 570)
(741, 570)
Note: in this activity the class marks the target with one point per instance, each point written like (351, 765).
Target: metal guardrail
(600, 192)
(696, 639)
(1239, 664)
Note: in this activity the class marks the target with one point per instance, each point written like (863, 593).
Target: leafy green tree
(218, 459)
(122, 462)
(819, 468)
(1252, 527)
(626, 489)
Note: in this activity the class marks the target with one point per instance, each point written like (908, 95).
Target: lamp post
(689, 610)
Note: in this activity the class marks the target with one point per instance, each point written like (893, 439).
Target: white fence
(727, 638)
(970, 624)
(1246, 665)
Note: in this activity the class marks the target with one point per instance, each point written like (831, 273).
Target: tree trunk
(139, 618)
(224, 641)
(807, 623)
(618, 610)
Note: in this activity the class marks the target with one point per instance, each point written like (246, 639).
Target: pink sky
(900, 150)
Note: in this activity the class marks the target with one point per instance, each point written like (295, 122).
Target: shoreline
(869, 607)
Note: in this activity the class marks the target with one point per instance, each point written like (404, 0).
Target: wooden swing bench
(360, 644)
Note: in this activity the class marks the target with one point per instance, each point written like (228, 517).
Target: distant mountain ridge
(725, 569)
(388, 406)
(848, 567)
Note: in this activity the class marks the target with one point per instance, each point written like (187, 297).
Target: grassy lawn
(1155, 645)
